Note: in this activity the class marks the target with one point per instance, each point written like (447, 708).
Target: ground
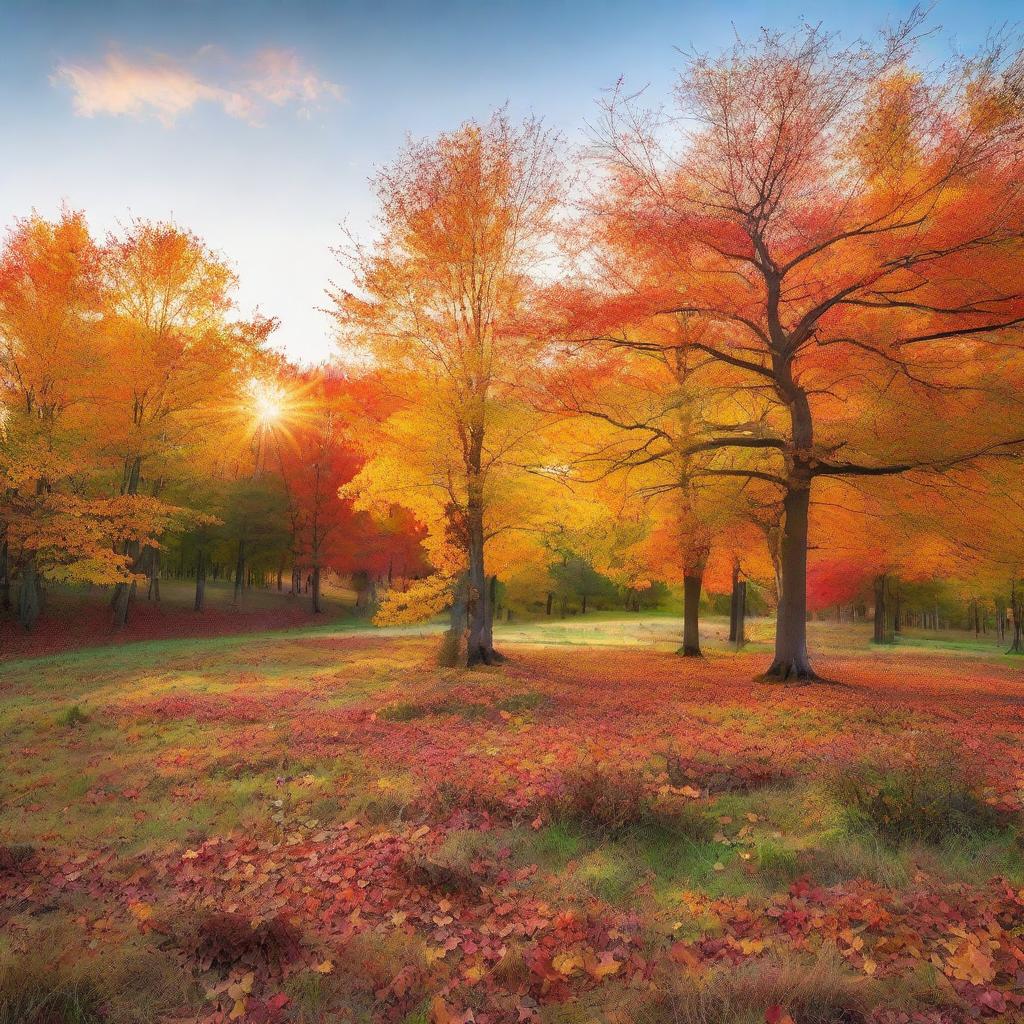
(321, 825)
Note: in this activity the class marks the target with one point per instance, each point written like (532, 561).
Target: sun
(268, 401)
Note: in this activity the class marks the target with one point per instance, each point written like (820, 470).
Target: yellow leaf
(567, 963)
(325, 968)
(870, 967)
(238, 1009)
(141, 911)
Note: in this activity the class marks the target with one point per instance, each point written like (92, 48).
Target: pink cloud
(158, 85)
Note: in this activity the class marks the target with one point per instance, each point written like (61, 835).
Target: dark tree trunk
(153, 593)
(733, 614)
(884, 629)
(317, 607)
(791, 661)
(491, 602)
(5, 568)
(583, 606)
(547, 608)
(741, 614)
(477, 648)
(240, 569)
(29, 594)
(691, 615)
(1017, 610)
(200, 580)
(124, 597)
(124, 593)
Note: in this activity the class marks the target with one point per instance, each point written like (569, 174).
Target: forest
(627, 624)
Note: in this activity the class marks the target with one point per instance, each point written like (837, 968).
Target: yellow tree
(465, 225)
(168, 299)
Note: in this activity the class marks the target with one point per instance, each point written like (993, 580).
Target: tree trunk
(317, 607)
(477, 648)
(1017, 609)
(547, 609)
(791, 661)
(884, 632)
(691, 615)
(124, 593)
(200, 580)
(733, 614)
(5, 567)
(153, 593)
(583, 606)
(239, 571)
(451, 652)
(29, 597)
(741, 614)
(491, 598)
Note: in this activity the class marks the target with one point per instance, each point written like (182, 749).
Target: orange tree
(465, 223)
(846, 233)
(179, 360)
(58, 520)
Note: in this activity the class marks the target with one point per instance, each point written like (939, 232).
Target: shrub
(609, 802)
(16, 858)
(922, 793)
(402, 711)
(72, 716)
(224, 941)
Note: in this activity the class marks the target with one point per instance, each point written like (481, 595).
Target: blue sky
(258, 124)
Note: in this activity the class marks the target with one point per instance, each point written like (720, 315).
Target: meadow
(321, 825)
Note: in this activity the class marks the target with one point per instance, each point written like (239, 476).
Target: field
(321, 825)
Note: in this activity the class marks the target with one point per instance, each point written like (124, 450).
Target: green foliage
(72, 716)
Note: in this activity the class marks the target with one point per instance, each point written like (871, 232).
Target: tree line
(770, 335)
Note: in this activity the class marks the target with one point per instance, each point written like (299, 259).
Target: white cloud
(165, 87)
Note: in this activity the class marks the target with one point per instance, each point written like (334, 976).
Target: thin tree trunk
(733, 614)
(5, 566)
(124, 593)
(1017, 608)
(153, 593)
(547, 608)
(200, 580)
(240, 569)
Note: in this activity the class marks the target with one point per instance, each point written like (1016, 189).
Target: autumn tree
(465, 224)
(178, 355)
(58, 521)
(845, 231)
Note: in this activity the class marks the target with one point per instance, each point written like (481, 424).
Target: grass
(610, 802)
